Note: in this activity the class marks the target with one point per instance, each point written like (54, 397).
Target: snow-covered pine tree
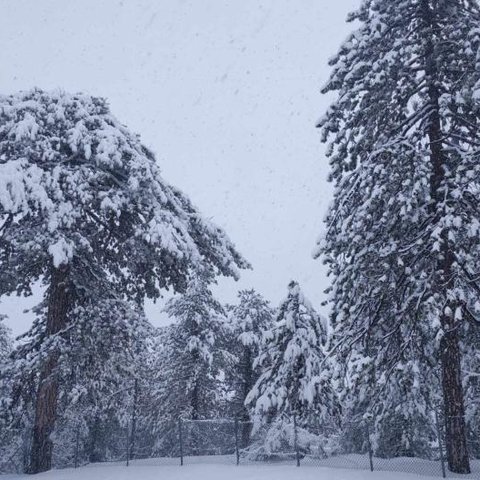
(84, 210)
(192, 363)
(402, 234)
(252, 316)
(295, 377)
(193, 355)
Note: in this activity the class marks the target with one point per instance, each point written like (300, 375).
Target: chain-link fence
(397, 444)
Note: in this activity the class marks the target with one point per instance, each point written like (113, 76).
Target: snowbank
(205, 469)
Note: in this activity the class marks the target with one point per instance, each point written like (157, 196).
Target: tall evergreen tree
(83, 209)
(402, 236)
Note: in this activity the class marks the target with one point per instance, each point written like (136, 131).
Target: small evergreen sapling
(192, 357)
(295, 376)
(252, 316)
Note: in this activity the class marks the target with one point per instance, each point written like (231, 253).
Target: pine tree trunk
(47, 393)
(247, 386)
(455, 428)
(450, 355)
(94, 451)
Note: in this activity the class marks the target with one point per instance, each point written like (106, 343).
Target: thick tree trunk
(95, 453)
(455, 428)
(47, 394)
(450, 355)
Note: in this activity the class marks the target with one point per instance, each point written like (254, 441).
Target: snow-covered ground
(223, 468)
(141, 471)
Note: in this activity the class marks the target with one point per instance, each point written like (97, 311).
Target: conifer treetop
(250, 317)
(77, 184)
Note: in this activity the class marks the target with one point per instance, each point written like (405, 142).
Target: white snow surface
(205, 468)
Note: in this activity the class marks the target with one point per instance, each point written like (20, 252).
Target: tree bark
(95, 453)
(47, 393)
(450, 355)
(455, 428)
(247, 386)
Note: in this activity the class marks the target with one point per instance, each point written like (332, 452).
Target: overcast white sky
(225, 92)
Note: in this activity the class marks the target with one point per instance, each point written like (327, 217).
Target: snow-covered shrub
(281, 439)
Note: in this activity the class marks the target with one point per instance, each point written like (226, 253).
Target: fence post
(180, 438)
(128, 445)
(131, 443)
(77, 440)
(440, 444)
(237, 451)
(295, 439)
(370, 451)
